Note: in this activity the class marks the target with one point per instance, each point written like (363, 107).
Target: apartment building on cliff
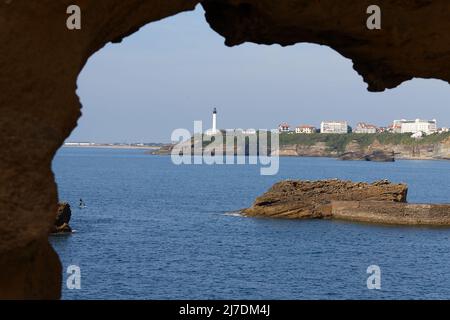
(363, 127)
(306, 129)
(336, 127)
(415, 126)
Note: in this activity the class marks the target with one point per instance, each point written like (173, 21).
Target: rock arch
(40, 60)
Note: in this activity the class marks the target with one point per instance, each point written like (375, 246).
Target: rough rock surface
(431, 151)
(312, 199)
(380, 202)
(375, 156)
(41, 60)
(409, 44)
(419, 151)
(392, 212)
(62, 220)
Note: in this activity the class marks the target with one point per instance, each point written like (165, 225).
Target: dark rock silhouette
(62, 220)
(380, 156)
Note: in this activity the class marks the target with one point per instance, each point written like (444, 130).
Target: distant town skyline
(175, 71)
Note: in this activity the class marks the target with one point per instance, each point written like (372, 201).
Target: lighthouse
(214, 121)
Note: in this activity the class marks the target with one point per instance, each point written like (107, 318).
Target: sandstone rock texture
(427, 151)
(392, 213)
(413, 41)
(40, 61)
(381, 202)
(312, 199)
(373, 152)
(319, 149)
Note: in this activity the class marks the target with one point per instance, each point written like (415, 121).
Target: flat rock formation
(392, 212)
(41, 60)
(375, 156)
(63, 215)
(312, 199)
(381, 202)
(380, 156)
(163, 150)
(352, 156)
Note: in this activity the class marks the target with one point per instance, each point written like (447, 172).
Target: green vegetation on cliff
(340, 141)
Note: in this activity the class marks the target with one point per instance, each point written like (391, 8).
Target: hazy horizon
(175, 71)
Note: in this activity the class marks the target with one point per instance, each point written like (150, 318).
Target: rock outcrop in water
(379, 202)
(62, 220)
(312, 199)
(375, 156)
(392, 212)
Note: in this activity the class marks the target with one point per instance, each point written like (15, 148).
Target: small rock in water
(63, 215)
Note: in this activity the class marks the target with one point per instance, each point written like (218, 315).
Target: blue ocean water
(153, 230)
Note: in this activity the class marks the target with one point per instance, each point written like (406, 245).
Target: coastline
(386, 147)
(396, 159)
(380, 202)
(161, 150)
(104, 146)
(284, 155)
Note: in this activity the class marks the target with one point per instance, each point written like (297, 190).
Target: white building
(305, 129)
(415, 126)
(249, 132)
(214, 130)
(338, 127)
(363, 127)
(79, 144)
(284, 127)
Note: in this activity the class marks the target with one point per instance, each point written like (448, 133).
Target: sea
(154, 230)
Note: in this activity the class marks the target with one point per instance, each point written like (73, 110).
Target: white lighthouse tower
(214, 122)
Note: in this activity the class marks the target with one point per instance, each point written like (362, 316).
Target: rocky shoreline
(375, 156)
(380, 202)
(62, 219)
(375, 151)
(357, 150)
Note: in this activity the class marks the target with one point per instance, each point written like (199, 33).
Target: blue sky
(175, 71)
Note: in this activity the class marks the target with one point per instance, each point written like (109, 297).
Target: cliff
(379, 202)
(364, 146)
(384, 147)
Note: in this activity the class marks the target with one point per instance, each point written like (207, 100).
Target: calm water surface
(153, 230)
